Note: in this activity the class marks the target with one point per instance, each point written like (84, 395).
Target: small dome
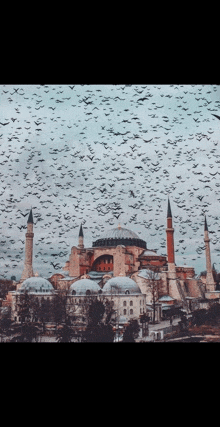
(121, 285)
(84, 287)
(149, 253)
(36, 284)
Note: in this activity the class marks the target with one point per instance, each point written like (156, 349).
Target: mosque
(120, 267)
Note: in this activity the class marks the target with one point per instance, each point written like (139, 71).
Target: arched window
(88, 292)
(127, 292)
(124, 303)
(124, 311)
(131, 303)
(131, 311)
(73, 292)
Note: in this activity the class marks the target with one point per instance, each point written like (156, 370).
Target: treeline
(96, 323)
(209, 316)
(6, 286)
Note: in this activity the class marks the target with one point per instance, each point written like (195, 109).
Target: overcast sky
(104, 154)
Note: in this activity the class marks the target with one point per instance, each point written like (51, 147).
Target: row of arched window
(131, 311)
(125, 303)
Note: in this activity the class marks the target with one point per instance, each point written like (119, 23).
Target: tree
(174, 311)
(143, 320)
(43, 312)
(6, 286)
(65, 332)
(199, 317)
(59, 309)
(25, 332)
(96, 312)
(213, 314)
(132, 331)
(154, 283)
(99, 327)
(24, 307)
(27, 310)
(5, 322)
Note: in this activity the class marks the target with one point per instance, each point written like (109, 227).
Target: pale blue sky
(76, 153)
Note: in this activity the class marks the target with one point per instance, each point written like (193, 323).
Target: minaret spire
(30, 218)
(81, 243)
(169, 213)
(28, 268)
(205, 225)
(210, 284)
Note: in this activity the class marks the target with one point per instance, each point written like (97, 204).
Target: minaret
(170, 239)
(210, 284)
(81, 244)
(173, 290)
(28, 269)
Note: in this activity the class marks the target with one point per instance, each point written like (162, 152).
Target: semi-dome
(36, 284)
(119, 236)
(84, 287)
(121, 285)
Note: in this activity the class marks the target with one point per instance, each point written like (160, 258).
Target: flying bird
(218, 117)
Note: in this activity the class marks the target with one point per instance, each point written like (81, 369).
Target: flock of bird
(104, 154)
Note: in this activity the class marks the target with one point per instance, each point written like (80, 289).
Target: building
(121, 255)
(36, 286)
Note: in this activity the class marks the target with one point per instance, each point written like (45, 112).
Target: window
(73, 292)
(140, 310)
(131, 311)
(140, 301)
(131, 303)
(124, 303)
(124, 311)
(88, 292)
(127, 292)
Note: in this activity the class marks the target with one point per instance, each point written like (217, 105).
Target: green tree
(5, 322)
(99, 327)
(44, 313)
(131, 331)
(24, 307)
(59, 307)
(199, 317)
(213, 314)
(65, 332)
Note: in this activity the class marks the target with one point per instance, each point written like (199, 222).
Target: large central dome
(120, 236)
